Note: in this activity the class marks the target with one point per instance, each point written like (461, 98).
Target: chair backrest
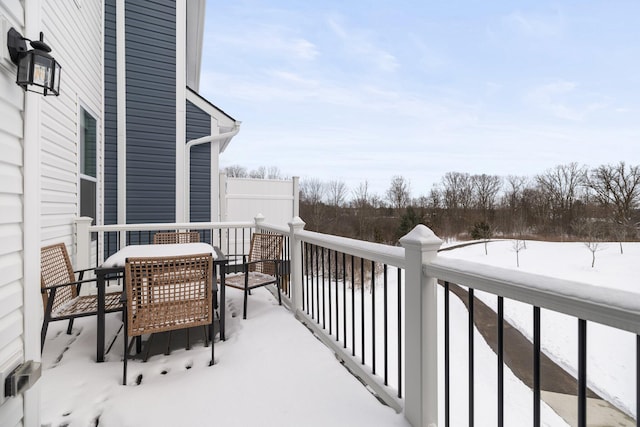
(176, 237)
(56, 269)
(168, 293)
(265, 246)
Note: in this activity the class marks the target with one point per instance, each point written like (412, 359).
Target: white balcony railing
(325, 272)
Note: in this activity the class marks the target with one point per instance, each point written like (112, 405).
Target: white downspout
(187, 163)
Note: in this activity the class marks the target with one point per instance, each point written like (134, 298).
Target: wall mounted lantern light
(37, 70)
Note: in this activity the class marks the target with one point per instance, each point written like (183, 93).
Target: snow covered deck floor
(271, 371)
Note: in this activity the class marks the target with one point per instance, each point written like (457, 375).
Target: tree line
(566, 202)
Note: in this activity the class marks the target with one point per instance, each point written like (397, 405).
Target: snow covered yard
(271, 371)
(611, 352)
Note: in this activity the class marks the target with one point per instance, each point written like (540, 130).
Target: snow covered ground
(611, 352)
(272, 371)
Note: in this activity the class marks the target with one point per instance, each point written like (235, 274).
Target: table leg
(101, 303)
(223, 303)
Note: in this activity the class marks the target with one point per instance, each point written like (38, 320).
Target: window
(88, 157)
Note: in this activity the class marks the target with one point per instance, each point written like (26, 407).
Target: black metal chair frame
(49, 294)
(246, 268)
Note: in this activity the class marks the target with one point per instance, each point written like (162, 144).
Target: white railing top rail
(274, 228)
(390, 255)
(612, 307)
(171, 226)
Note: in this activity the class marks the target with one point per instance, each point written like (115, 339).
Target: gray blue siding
(199, 125)
(110, 115)
(150, 36)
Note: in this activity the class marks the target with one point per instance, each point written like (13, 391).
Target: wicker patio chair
(176, 237)
(166, 294)
(261, 268)
(61, 290)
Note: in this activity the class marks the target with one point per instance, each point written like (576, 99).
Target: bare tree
(457, 190)
(336, 195)
(399, 193)
(457, 196)
(236, 171)
(361, 200)
(617, 188)
(273, 172)
(258, 173)
(593, 246)
(336, 192)
(517, 246)
(561, 187)
(435, 197)
(486, 189)
(312, 192)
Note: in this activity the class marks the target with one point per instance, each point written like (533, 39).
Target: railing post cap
(421, 237)
(259, 218)
(85, 219)
(297, 223)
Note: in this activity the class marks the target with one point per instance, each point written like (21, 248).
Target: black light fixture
(37, 70)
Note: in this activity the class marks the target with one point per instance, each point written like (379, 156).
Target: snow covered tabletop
(119, 258)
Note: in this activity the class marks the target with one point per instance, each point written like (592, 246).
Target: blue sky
(362, 91)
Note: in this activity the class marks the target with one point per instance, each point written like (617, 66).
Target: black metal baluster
(305, 276)
(500, 361)
(329, 291)
(471, 365)
(337, 300)
(536, 366)
(362, 331)
(385, 326)
(373, 317)
(344, 299)
(353, 306)
(582, 373)
(313, 279)
(399, 333)
(637, 380)
(317, 286)
(446, 355)
(308, 272)
(324, 285)
(107, 237)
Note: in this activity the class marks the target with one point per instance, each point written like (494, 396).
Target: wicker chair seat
(262, 266)
(255, 279)
(87, 306)
(60, 289)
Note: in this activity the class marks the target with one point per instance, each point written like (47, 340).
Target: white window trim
(81, 176)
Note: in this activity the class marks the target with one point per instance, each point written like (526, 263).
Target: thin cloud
(360, 43)
(532, 25)
(562, 100)
(265, 40)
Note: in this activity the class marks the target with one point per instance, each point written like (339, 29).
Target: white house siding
(11, 215)
(74, 30)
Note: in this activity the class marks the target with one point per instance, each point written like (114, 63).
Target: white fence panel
(244, 198)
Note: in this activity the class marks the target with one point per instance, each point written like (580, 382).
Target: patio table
(115, 265)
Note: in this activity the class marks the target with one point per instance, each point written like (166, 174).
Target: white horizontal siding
(11, 238)
(75, 36)
(11, 219)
